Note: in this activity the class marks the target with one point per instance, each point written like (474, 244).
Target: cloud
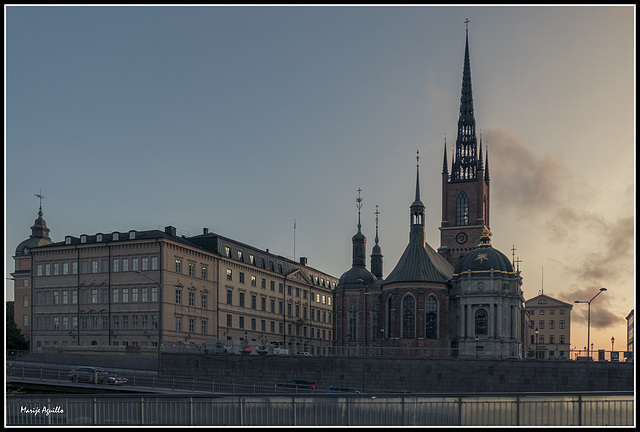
(523, 182)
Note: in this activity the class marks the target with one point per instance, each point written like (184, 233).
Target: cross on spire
(41, 197)
(467, 24)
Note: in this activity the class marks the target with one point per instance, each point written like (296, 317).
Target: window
(192, 299)
(94, 296)
(431, 318)
(145, 263)
(542, 301)
(241, 299)
(178, 296)
(229, 274)
(229, 296)
(154, 294)
(462, 209)
(125, 295)
(241, 277)
(116, 295)
(541, 325)
(116, 266)
(65, 268)
(253, 281)
(144, 294)
(203, 327)
(254, 301)
(134, 264)
(561, 324)
(192, 325)
(178, 266)
(352, 323)
(263, 302)
(125, 264)
(241, 322)
(203, 273)
(408, 317)
(178, 324)
(203, 301)
(134, 295)
(482, 320)
(192, 270)
(552, 324)
(94, 266)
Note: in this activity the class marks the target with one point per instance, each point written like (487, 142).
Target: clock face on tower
(461, 238)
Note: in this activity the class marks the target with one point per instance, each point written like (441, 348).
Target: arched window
(408, 317)
(387, 330)
(462, 209)
(352, 324)
(431, 318)
(482, 321)
(374, 322)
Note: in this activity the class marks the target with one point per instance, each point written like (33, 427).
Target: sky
(250, 120)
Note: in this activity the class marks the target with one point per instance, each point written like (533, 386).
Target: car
(304, 353)
(95, 375)
(298, 385)
(112, 379)
(340, 389)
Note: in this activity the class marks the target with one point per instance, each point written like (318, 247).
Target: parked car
(95, 375)
(340, 389)
(298, 384)
(304, 353)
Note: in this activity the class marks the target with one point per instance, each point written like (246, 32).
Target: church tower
(465, 191)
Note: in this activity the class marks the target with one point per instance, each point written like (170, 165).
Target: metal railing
(610, 409)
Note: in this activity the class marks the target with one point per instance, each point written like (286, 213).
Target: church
(463, 299)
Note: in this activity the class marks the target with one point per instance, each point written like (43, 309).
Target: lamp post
(364, 327)
(159, 316)
(589, 319)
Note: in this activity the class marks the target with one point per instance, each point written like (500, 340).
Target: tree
(15, 338)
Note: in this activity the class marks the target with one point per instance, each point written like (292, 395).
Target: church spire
(445, 167)
(359, 241)
(376, 253)
(465, 163)
(417, 208)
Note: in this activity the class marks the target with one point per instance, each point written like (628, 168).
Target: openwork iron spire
(465, 162)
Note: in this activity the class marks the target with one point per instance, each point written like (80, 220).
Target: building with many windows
(463, 300)
(550, 327)
(145, 288)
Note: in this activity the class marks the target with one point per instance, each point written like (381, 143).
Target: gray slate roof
(420, 263)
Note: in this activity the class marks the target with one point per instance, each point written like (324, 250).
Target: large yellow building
(550, 327)
(144, 288)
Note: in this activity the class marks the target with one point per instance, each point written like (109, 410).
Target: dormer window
(98, 237)
(240, 255)
(83, 238)
(67, 240)
(132, 235)
(116, 236)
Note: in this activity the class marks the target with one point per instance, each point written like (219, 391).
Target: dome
(351, 278)
(39, 236)
(484, 258)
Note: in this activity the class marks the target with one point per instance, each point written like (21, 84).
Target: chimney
(303, 261)
(205, 231)
(170, 230)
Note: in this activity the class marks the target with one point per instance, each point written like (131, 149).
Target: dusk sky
(246, 119)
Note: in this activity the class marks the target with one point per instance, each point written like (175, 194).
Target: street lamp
(159, 316)
(589, 318)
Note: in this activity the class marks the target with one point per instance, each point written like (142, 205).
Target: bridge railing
(323, 410)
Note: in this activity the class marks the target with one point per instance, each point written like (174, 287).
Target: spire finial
(377, 212)
(467, 24)
(418, 175)
(41, 198)
(359, 205)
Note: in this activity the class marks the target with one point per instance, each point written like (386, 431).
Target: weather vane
(41, 197)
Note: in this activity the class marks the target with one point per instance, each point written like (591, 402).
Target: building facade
(146, 289)
(550, 327)
(464, 300)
